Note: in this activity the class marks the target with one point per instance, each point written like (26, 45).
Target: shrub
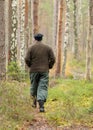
(15, 72)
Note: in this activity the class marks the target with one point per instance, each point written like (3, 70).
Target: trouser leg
(42, 90)
(33, 88)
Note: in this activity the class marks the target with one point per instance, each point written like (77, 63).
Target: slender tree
(55, 19)
(8, 10)
(29, 23)
(2, 41)
(89, 45)
(66, 38)
(34, 14)
(26, 22)
(59, 39)
(75, 30)
(22, 35)
(13, 43)
(18, 33)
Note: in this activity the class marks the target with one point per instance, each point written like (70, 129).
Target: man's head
(38, 37)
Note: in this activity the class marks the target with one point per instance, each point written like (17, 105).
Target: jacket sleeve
(28, 58)
(51, 58)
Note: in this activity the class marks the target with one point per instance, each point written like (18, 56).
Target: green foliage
(71, 102)
(15, 72)
(15, 105)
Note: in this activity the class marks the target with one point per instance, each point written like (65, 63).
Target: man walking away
(39, 58)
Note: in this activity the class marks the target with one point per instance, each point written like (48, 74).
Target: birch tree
(22, 35)
(13, 43)
(66, 38)
(89, 44)
(59, 39)
(18, 30)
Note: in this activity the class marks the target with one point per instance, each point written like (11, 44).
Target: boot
(41, 106)
(34, 102)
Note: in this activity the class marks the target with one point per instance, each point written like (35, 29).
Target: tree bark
(22, 34)
(34, 13)
(89, 44)
(2, 41)
(13, 43)
(75, 30)
(66, 39)
(55, 27)
(59, 39)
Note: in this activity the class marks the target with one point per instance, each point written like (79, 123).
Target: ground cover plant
(70, 102)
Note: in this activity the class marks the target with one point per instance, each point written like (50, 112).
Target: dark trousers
(39, 85)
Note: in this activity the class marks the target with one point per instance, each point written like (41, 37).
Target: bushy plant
(15, 72)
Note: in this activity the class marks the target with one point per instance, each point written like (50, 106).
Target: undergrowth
(69, 102)
(15, 105)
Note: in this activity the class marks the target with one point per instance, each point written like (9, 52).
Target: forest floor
(69, 106)
(39, 122)
(51, 119)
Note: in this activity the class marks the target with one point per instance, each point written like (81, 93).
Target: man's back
(40, 54)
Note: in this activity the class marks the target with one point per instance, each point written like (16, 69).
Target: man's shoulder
(47, 46)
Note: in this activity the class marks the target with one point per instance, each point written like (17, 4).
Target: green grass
(69, 102)
(15, 105)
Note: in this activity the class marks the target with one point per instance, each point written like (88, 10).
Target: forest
(67, 28)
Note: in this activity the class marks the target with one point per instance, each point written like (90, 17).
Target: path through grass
(70, 103)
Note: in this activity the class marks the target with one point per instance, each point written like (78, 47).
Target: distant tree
(8, 12)
(89, 44)
(27, 27)
(66, 38)
(29, 23)
(75, 30)
(55, 27)
(18, 33)
(59, 39)
(34, 8)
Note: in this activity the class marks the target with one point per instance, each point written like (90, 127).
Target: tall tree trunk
(55, 19)
(29, 23)
(66, 38)
(34, 10)
(13, 43)
(75, 30)
(89, 45)
(7, 29)
(2, 41)
(59, 39)
(18, 30)
(22, 35)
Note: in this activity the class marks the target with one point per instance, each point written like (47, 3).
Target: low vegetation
(69, 102)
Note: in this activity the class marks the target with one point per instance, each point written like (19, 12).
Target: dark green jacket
(40, 58)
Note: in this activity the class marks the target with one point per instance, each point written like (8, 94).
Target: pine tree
(59, 39)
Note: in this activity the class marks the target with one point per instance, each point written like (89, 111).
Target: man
(40, 58)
